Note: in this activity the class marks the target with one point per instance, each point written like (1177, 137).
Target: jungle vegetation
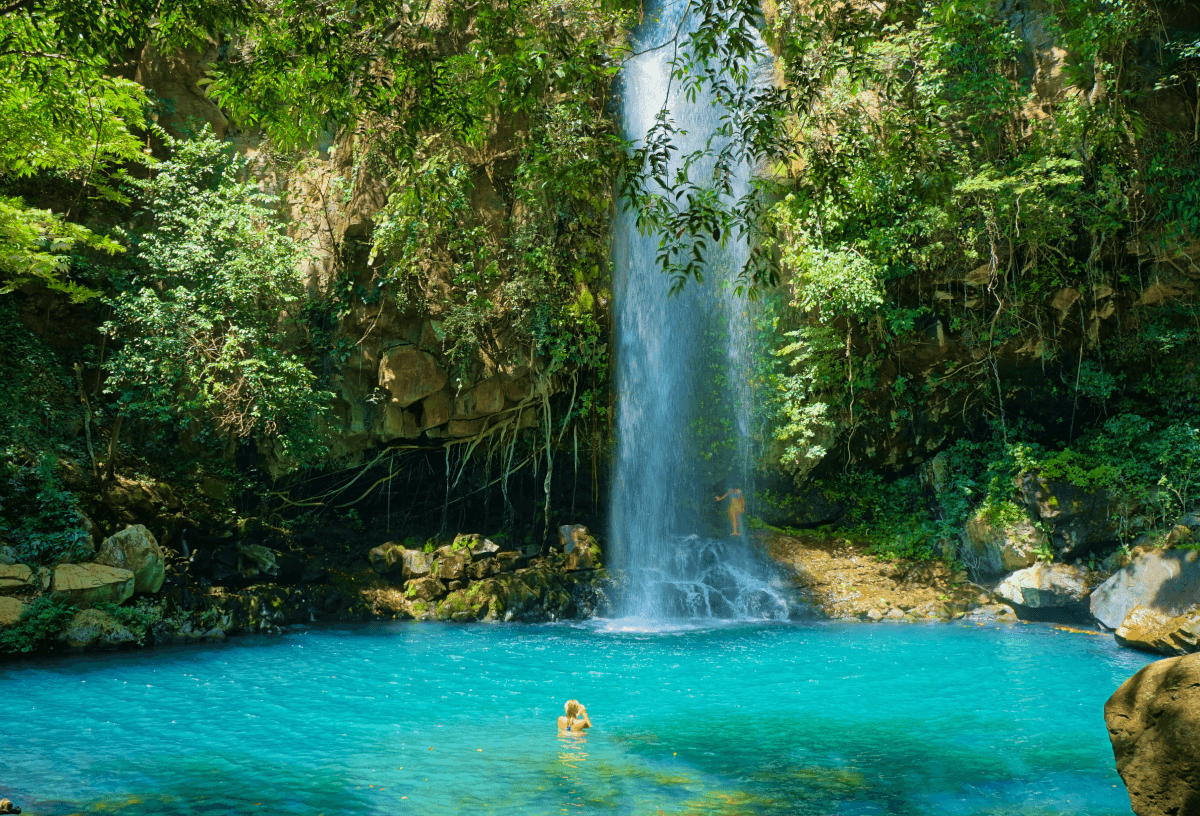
(917, 185)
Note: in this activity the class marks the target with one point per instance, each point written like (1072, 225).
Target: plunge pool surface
(432, 719)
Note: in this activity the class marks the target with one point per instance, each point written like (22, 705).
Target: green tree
(67, 110)
(202, 320)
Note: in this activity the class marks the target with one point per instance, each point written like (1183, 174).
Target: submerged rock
(135, 549)
(6, 806)
(1153, 723)
(992, 613)
(1152, 631)
(1166, 582)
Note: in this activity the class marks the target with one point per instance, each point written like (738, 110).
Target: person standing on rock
(737, 506)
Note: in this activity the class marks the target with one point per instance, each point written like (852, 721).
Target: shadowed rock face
(1153, 722)
(1167, 582)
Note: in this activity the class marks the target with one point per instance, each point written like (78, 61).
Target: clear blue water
(741, 719)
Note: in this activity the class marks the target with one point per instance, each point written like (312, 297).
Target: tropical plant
(202, 316)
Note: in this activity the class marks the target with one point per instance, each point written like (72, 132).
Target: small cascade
(683, 380)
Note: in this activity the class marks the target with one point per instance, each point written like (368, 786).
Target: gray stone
(477, 544)
(425, 589)
(396, 423)
(508, 561)
(417, 563)
(256, 557)
(135, 549)
(1167, 582)
(1153, 723)
(8, 556)
(485, 398)
(1046, 586)
(483, 568)
(581, 551)
(1080, 519)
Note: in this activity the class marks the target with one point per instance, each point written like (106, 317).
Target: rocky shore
(134, 592)
(1149, 599)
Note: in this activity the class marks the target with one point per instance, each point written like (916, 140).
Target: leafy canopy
(67, 110)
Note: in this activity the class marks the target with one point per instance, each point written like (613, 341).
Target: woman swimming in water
(576, 718)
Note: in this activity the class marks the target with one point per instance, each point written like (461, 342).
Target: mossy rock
(92, 627)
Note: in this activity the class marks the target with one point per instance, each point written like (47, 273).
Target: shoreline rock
(1153, 722)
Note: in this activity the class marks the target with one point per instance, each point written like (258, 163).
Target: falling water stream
(684, 405)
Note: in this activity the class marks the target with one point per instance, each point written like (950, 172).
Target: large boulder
(426, 589)
(483, 568)
(1152, 631)
(16, 578)
(1153, 723)
(92, 627)
(386, 557)
(10, 611)
(1046, 586)
(135, 549)
(1080, 520)
(255, 559)
(479, 546)
(416, 563)
(85, 585)
(451, 563)
(410, 374)
(1167, 582)
(994, 546)
(580, 549)
(508, 561)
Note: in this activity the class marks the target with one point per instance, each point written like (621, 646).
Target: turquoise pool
(425, 718)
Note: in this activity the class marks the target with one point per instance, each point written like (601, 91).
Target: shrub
(43, 620)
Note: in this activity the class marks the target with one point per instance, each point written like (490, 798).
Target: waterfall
(683, 383)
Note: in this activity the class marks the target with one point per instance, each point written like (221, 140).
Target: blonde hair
(572, 708)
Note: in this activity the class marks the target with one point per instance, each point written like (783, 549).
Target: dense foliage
(201, 313)
(935, 191)
(65, 112)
